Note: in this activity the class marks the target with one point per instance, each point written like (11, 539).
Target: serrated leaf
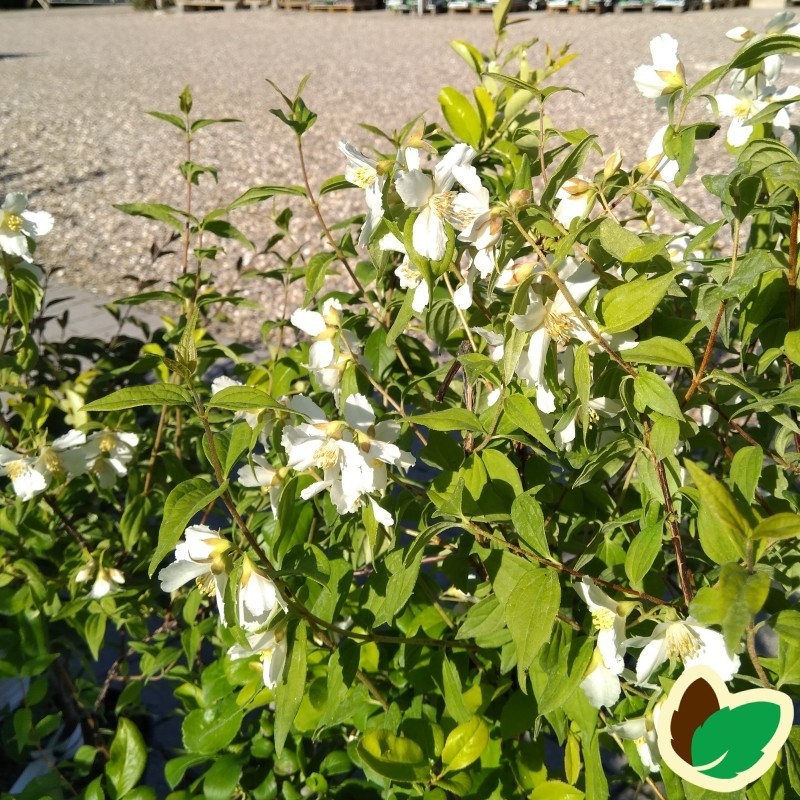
(630, 304)
(465, 744)
(642, 553)
(779, 526)
(732, 602)
(155, 394)
(289, 692)
(539, 589)
(660, 351)
(524, 414)
(734, 738)
(127, 757)
(183, 502)
(395, 757)
(449, 419)
(528, 521)
(242, 398)
(721, 526)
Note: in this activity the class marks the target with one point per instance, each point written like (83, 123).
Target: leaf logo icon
(719, 740)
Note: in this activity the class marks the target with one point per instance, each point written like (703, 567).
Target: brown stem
(154, 451)
(754, 659)
(793, 302)
(715, 328)
(478, 530)
(684, 573)
(187, 224)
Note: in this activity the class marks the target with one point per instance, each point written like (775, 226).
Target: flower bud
(740, 34)
(520, 197)
(613, 163)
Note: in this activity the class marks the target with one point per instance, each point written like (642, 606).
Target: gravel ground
(75, 83)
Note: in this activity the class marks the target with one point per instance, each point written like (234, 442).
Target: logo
(719, 740)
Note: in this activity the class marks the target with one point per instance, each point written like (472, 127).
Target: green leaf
(156, 211)
(289, 692)
(735, 738)
(791, 346)
(617, 241)
(208, 730)
(155, 394)
(485, 623)
(23, 718)
(664, 437)
(537, 590)
(470, 54)
(258, 194)
(524, 414)
(461, 116)
(394, 757)
(95, 631)
(778, 526)
(127, 758)
(642, 553)
(651, 391)
(199, 124)
(630, 304)
(500, 16)
(756, 52)
(465, 744)
(183, 502)
(172, 119)
(449, 419)
(225, 230)
(220, 782)
(316, 271)
(453, 699)
(229, 444)
(787, 626)
(661, 351)
(721, 527)
(556, 790)
(402, 319)
(568, 168)
(528, 521)
(792, 750)
(746, 471)
(242, 398)
(732, 602)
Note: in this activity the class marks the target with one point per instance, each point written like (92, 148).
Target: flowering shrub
(531, 457)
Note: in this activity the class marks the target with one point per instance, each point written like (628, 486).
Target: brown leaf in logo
(698, 703)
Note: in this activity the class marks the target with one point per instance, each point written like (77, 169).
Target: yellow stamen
(52, 461)
(12, 221)
(682, 642)
(559, 327)
(442, 204)
(16, 469)
(327, 455)
(364, 177)
(603, 619)
(206, 584)
(107, 442)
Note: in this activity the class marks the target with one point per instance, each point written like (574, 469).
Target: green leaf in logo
(732, 740)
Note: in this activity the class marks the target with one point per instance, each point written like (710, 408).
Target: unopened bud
(613, 163)
(740, 34)
(520, 197)
(576, 187)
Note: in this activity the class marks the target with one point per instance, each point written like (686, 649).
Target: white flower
(740, 34)
(363, 172)
(271, 648)
(601, 686)
(482, 263)
(496, 342)
(352, 454)
(432, 195)
(27, 481)
(19, 227)
(753, 96)
(514, 273)
(106, 582)
(663, 170)
(409, 276)
(576, 197)
(684, 641)
(224, 382)
(108, 454)
(608, 622)
(200, 557)
(260, 474)
(472, 212)
(259, 598)
(665, 75)
(643, 733)
(64, 457)
(552, 320)
(333, 347)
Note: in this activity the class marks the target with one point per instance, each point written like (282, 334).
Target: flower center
(206, 584)
(107, 442)
(682, 642)
(52, 462)
(442, 204)
(603, 619)
(409, 274)
(16, 469)
(742, 109)
(559, 327)
(364, 176)
(12, 221)
(327, 455)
